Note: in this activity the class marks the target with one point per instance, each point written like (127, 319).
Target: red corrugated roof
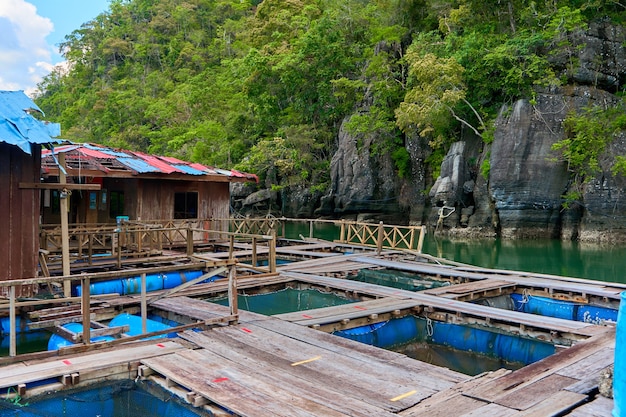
(138, 163)
(157, 163)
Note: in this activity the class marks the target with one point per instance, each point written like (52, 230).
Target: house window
(186, 205)
(116, 204)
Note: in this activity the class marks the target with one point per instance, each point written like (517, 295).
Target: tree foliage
(265, 85)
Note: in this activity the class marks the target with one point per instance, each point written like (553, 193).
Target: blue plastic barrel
(593, 314)
(132, 285)
(20, 325)
(619, 367)
(134, 324)
(464, 338)
(385, 334)
(56, 341)
(174, 279)
(103, 287)
(544, 306)
(363, 334)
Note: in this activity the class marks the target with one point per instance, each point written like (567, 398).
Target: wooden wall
(19, 215)
(155, 199)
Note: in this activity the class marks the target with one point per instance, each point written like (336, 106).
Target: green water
(285, 301)
(573, 259)
(599, 262)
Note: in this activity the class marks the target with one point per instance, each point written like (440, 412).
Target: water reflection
(573, 259)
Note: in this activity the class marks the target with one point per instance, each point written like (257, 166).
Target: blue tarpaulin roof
(18, 127)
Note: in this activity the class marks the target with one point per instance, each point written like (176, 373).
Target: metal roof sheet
(138, 165)
(188, 169)
(157, 163)
(18, 127)
(100, 157)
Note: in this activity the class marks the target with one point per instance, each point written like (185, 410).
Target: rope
(429, 327)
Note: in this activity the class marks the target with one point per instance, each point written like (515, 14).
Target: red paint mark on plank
(306, 316)
(245, 329)
(361, 307)
(220, 379)
(67, 362)
(161, 345)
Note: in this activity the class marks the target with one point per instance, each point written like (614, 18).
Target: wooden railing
(138, 240)
(83, 338)
(376, 235)
(383, 236)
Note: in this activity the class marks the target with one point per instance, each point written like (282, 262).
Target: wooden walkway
(285, 365)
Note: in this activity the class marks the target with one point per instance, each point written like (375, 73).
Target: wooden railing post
(90, 250)
(189, 242)
(86, 309)
(311, 229)
(119, 249)
(254, 252)
(420, 242)
(144, 305)
(342, 232)
(13, 330)
(232, 288)
(379, 240)
(272, 254)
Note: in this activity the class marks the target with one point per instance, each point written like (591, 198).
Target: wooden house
(21, 138)
(142, 187)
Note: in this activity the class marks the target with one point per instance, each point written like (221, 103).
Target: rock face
(361, 181)
(513, 187)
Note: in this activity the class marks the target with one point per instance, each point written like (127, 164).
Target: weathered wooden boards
(273, 368)
(69, 370)
(549, 387)
(456, 308)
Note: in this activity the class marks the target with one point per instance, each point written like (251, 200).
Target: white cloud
(25, 57)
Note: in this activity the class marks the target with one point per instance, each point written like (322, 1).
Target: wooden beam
(188, 284)
(57, 186)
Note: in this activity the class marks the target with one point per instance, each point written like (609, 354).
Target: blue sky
(30, 32)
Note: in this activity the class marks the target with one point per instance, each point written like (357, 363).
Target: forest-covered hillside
(264, 86)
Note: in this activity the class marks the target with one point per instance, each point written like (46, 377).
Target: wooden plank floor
(268, 367)
(550, 387)
(279, 366)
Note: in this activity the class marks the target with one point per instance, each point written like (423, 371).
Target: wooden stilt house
(21, 138)
(137, 186)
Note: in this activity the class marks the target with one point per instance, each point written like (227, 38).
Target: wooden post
(311, 229)
(272, 254)
(342, 232)
(86, 309)
(254, 254)
(65, 238)
(119, 249)
(412, 239)
(90, 249)
(189, 242)
(420, 242)
(379, 241)
(144, 305)
(231, 247)
(232, 289)
(13, 330)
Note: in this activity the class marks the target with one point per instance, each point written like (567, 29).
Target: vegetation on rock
(264, 86)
